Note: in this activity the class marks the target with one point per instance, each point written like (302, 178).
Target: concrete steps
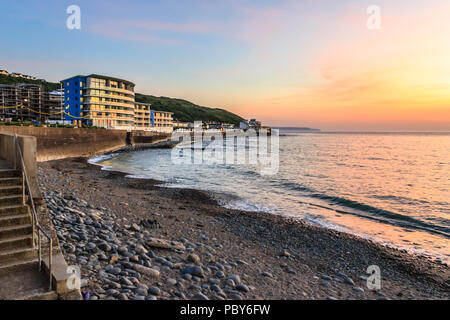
(12, 210)
(24, 253)
(13, 220)
(8, 173)
(19, 273)
(14, 231)
(10, 190)
(16, 242)
(11, 200)
(10, 181)
(7, 267)
(23, 281)
(39, 294)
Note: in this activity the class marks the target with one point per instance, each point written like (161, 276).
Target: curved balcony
(109, 96)
(118, 104)
(109, 89)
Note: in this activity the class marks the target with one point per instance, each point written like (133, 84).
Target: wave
(367, 211)
(382, 215)
(96, 160)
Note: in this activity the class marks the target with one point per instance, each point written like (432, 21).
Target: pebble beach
(135, 240)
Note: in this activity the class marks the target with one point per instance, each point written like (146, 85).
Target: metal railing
(35, 223)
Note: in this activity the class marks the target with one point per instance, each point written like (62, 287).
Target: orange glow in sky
(396, 78)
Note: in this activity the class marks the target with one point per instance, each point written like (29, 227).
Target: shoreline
(219, 198)
(310, 260)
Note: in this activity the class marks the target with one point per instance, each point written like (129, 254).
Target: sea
(392, 188)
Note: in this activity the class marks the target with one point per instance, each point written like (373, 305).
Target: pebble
(235, 296)
(290, 271)
(126, 281)
(187, 276)
(267, 274)
(213, 281)
(180, 295)
(231, 283)
(236, 279)
(200, 296)
(154, 291)
(349, 281)
(194, 271)
(122, 296)
(242, 287)
(147, 271)
(285, 253)
(105, 247)
(141, 291)
(193, 258)
(140, 249)
(215, 288)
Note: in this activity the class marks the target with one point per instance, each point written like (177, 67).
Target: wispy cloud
(146, 31)
(253, 26)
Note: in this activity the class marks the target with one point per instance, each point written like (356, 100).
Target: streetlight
(21, 110)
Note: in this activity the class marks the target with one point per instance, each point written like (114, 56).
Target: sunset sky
(288, 63)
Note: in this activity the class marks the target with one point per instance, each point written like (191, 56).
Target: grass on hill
(187, 111)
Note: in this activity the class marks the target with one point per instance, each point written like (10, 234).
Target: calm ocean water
(390, 187)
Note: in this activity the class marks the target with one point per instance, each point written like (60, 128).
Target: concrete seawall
(9, 153)
(60, 143)
(143, 139)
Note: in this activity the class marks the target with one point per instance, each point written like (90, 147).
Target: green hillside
(47, 86)
(187, 111)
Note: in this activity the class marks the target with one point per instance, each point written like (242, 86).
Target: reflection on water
(394, 188)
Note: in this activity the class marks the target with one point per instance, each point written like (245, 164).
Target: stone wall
(59, 143)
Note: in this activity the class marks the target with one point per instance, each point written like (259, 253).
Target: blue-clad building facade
(99, 101)
(73, 97)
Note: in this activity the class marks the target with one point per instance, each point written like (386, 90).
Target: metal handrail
(35, 222)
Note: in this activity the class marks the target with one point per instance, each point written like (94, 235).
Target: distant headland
(297, 129)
